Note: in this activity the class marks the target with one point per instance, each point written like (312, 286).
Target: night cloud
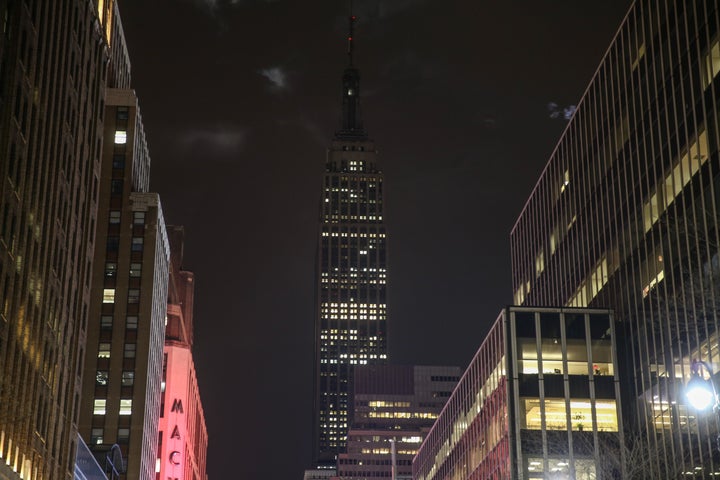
(223, 139)
(276, 76)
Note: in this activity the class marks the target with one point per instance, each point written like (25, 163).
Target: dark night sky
(240, 98)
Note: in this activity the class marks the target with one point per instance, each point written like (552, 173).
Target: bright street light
(701, 392)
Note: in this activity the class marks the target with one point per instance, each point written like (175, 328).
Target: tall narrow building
(52, 74)
(351, 309)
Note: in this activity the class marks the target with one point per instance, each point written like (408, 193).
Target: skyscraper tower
(351, 310)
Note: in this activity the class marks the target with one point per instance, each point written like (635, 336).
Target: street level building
(52, 76)
(540, 399)
(352, 270)
(183, 439)
(124, 354)
(394, 406)
(625, 216)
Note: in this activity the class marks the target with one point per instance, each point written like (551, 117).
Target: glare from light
(699, 393)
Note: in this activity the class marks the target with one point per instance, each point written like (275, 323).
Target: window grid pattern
(470, 438)
(352, 285)
(626, 215)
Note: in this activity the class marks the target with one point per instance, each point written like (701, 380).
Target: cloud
(221, 139)
(212, 6)
(276, 76)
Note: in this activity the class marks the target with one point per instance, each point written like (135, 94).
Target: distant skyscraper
(626, 215)
(52, 75)
(351, 311)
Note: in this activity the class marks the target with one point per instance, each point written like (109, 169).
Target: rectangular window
(104, 350)
(110, 269)
(114, 217)
(123, 435)
(99, 406)
(106, 322)
(135, 269)
(108, 295)
(116, 187)
(121, 113)
(113, 243)
(129, 350)
(137, 244)
(128, 378)
(119, 161)
(126, 406)
(138, 218)
(134, 295)
(101, 377)
(131, 323)
(96, 436)
(120, 137)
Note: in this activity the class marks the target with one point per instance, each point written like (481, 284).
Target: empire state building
(351, 308)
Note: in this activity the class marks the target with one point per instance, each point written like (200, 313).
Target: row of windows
(126, 380)
(115, 216)
(104, 348)
(100, 406)
(106, 322)
(112, 267)
(133, 295)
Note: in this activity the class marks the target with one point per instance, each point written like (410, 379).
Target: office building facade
(394, 406)
(124, 353)
(52, 69)
(625, 216)
(540, 399)
(351, 303)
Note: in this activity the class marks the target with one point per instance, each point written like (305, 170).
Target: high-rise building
(626, 216)
(540, 399)
(124, 354)
(351, 308)
(183, 439)
(52, 76)
(394, 406)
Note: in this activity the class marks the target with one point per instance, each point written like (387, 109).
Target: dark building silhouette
(351, 308)
(625, 215)
(52, 76)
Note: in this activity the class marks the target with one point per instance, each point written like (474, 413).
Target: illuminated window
(126, 406)
(138, 218)
(712, 63)
(120, 137)
(99, 406)
(108, 295)
(104, 350)
(101, 377)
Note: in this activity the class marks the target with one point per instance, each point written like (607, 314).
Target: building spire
(351, 32)
(351, 119)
